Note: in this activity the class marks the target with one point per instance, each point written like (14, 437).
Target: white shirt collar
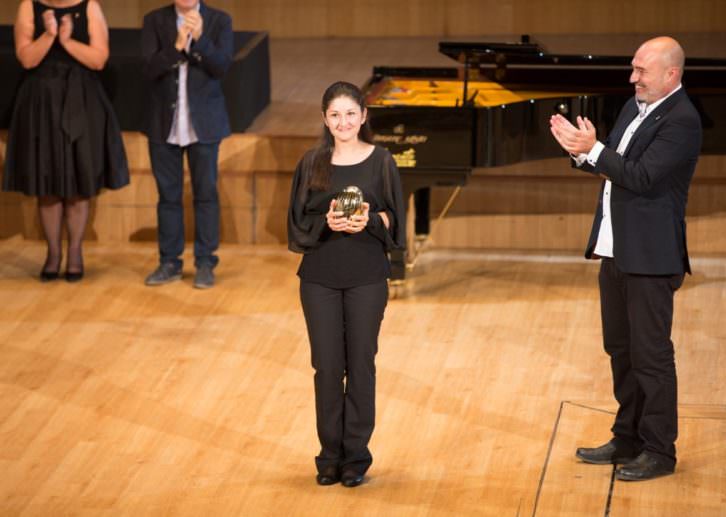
(646, 109)
(180, 15)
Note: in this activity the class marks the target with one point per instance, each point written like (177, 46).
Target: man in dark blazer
(639, 232)
(187, 48)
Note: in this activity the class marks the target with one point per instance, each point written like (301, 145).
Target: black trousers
(637, 316)
(343, 326)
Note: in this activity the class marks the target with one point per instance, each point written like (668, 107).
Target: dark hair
(321, 155)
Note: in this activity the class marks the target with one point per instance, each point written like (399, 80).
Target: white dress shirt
(182, 130)
(604, 245)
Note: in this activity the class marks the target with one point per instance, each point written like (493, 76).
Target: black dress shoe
(328, 476)
(645, 466)
(351, 479)
(611, 453)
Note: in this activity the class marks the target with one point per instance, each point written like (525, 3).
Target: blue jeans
(167, 163)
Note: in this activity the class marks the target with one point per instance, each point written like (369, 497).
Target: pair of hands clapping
(50, 23)
(193, 25)
(339, 223)
(575, 140)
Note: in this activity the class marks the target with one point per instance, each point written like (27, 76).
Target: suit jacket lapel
(630, 110)
(655, 116)
(170, 29)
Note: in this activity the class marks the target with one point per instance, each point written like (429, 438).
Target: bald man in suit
(639, 233)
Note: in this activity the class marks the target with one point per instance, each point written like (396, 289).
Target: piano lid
(528, 63)
(533, 54)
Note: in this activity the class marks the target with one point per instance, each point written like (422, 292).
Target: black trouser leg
(644, 371)
(343, 327)
(363, 308)
(616, 338)
(323, 309)
(650, 304)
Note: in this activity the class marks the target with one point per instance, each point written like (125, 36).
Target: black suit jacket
(650, 187)
(208, 60)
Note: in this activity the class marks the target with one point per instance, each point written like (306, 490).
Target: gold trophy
(349, 201)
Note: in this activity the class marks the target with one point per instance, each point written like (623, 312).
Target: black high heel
(48, 276)
(74, 276)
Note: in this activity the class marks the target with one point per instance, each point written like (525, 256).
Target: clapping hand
(574, 140)
(194, 23)
(50, 23)
(66, 28)
(182, 36)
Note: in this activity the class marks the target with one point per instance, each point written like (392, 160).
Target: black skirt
(64, 139)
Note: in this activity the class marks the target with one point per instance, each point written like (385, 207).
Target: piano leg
(398, 265)
(402, 260)
(399, 258)
(421, 200)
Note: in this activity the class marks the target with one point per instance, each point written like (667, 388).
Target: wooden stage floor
(119, 399)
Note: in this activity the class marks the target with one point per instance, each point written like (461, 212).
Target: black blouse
(339, 259)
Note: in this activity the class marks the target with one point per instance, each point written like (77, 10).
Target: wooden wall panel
(477, 17)
(382, 17)
(303, 19)
(662, 16)
(372, 18)
(8, 10)
(128, 13)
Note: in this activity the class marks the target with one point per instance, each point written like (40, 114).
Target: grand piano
(494, 109)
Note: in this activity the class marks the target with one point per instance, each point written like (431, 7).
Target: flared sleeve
(394, 237)
(306, 212)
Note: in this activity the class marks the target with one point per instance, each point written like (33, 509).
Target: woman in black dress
(64, 143)
(343, 286)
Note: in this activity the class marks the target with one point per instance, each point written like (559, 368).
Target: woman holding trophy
(346, 212)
